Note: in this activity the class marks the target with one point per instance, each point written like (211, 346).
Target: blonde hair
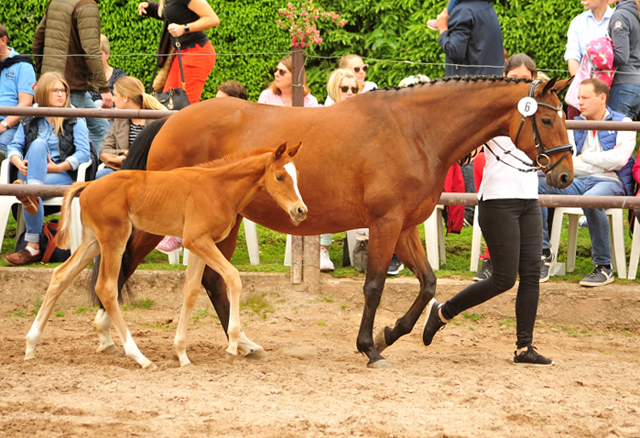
(161, 7)
(134, 89)
(104, 44)
(287, 62)
(43, 96)
(335, 81)
(344, 61)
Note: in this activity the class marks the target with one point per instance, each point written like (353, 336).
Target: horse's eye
(280, 177)
(547, 122)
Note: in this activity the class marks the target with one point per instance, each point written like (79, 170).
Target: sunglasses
(281, 71)
(354, 90)
(59, 91)
(364, 68)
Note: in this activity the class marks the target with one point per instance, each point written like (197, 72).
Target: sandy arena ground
(313, 382)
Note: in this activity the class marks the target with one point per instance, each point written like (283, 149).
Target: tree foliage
(390, 34)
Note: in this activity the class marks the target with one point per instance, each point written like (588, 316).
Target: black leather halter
(543, 160)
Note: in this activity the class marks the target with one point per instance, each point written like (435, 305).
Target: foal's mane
(479, 78)
(234, 157)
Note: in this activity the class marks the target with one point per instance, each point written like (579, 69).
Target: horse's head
(538, 128)
(281, 181)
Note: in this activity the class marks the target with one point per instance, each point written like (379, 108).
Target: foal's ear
(280, 150)
(294, 150)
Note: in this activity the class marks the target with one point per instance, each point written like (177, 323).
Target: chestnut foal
(199, 204)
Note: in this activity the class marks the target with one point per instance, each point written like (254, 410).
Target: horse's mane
(234, 157)
(490, 78)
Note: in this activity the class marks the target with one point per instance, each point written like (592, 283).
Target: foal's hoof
(29, 356)
(380, 344)
(256, 354)
(231, 357)
(109, 349)
(151, 367)
(382, 363)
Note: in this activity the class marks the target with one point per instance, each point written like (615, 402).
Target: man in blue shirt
(17, 77)
(586, 27)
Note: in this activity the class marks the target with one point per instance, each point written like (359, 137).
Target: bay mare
(376, 161)
(199, 204)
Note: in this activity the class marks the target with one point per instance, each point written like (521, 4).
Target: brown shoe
(22, 257)
(30, 203)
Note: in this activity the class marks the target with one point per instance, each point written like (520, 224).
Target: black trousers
(512, 229)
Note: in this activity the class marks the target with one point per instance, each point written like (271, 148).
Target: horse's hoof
(109, 349)
(29, 356)
(150, 367)
(256, 354)
(380, 344)
(382, 363)
(185, 364)
(231, 357)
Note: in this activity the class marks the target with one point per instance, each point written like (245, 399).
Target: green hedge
(249, 43)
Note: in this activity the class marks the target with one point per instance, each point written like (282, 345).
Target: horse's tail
(139, 149)
(64, 225)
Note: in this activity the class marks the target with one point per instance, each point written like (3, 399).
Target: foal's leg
(107, 290)
(62, 277)
(206, 250)
(190, 294)
(412, 254)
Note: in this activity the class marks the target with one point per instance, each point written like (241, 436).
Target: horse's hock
(613, 307)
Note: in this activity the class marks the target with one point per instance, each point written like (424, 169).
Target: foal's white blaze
(291, 170)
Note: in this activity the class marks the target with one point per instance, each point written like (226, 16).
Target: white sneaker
(325, 262)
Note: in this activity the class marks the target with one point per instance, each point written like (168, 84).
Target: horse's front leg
(195, 268)
(205, 248)
(381, 244)
(412, 254)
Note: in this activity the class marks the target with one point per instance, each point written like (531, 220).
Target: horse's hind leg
(412, 254)
(190, 294)
(62, 277)
(107, 290)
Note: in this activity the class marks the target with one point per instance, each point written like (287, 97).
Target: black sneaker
(432, 323)
(485, 271)
(395, 266)
(531, 358)
(600, 276)
(545, 267)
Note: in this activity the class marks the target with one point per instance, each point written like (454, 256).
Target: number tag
(527, 106)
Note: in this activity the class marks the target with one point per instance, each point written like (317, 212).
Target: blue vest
(608, 142)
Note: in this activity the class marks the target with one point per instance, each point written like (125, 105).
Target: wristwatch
(5, 124)
(186, 28)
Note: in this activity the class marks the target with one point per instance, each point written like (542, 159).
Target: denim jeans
(98, 127)
(37, 174)
(6, 137)
(597, 221)
(625, 99)
(104, 172)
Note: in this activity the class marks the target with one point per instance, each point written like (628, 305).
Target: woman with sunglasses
(280, 91)
(511, 222)
(46, 150)
(341, 85)
(355, 64)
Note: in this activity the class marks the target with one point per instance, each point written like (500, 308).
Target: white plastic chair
(635, 252)
(434, 238)
(616, 228)
(6, 202)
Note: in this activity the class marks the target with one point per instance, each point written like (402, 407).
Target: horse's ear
(280, 150)
(294, 150)
(561, 85)
(548, 86)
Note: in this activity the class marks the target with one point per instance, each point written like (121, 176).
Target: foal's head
(281, 181)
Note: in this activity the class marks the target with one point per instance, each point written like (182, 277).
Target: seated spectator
(53, 148)
(280, 91)
(112, 74)
(17, 78)
(603, 164)
(128, 93)
(341, 85)
(232, 89)
(359, 69)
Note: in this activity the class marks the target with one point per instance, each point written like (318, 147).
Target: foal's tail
(64, 225)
